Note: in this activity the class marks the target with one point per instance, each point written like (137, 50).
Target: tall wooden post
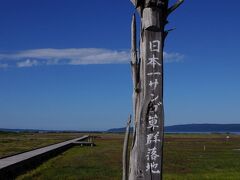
(146, 155)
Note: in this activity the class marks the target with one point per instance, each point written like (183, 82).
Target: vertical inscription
(154, 83)
(147, 69)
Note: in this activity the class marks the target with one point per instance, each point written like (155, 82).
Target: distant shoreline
(196, 128)
(177, 129)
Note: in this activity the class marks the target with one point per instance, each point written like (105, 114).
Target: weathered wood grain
(151, 17)
(125, 150)
(175, 6)
(146, 156)
(137, 3)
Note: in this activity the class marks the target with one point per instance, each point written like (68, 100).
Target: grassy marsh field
(185, 159)
(13, 143)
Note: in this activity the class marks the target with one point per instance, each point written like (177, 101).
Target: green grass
(95, 163)
(13, 143)
(185, 159)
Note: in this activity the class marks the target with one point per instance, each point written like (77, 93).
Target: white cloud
(27, 63)
(172, 57)
(74, 56)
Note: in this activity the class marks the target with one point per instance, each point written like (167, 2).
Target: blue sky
(64, 64)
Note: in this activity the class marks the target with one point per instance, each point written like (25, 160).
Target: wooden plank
(11, 164)
(24, 156)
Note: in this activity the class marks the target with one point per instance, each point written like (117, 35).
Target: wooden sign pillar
(146, 155)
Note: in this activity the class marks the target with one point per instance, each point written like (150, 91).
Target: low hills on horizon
(195, 128)
(184, 128)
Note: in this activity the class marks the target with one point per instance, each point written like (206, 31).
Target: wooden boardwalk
(10, 166)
